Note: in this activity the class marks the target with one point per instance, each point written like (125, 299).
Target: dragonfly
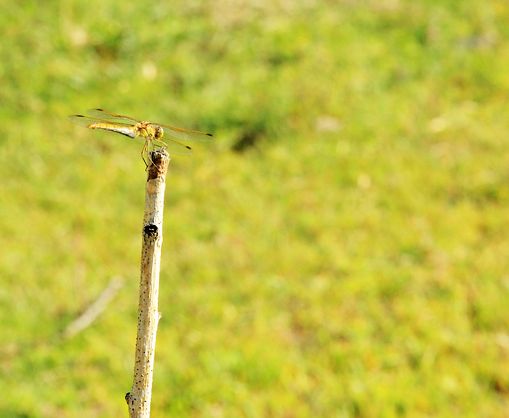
(151, 132)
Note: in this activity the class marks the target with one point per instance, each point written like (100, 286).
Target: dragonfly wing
(177, 148)
(185, 134)
(96, 123)
(105, 114)
(84, 120)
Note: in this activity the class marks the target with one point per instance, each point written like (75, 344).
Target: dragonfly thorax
(148, 130)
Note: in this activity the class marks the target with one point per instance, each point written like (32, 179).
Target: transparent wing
(126, 129)
(177, 148)
(184, 134)
(85, 121)
(106, 115)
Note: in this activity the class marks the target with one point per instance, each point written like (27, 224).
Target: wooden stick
(138, 399)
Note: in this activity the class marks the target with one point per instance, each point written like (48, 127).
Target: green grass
(351, 263)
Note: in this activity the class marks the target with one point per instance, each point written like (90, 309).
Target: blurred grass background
(338, 252)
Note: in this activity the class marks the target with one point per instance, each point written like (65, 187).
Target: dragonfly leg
(160, 144)
(148, 148)
(143, 152)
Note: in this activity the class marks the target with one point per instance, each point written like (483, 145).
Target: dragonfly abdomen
(124, 130)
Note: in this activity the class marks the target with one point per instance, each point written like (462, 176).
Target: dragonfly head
(158, 132)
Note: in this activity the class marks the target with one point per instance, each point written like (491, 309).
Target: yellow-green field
(340, 250)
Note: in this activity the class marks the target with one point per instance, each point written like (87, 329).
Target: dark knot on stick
(150, 230)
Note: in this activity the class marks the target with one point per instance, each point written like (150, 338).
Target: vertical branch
(138, 399)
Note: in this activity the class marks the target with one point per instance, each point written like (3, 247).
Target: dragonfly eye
(158, 132)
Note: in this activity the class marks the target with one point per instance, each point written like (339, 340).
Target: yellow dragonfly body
(151, 132)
